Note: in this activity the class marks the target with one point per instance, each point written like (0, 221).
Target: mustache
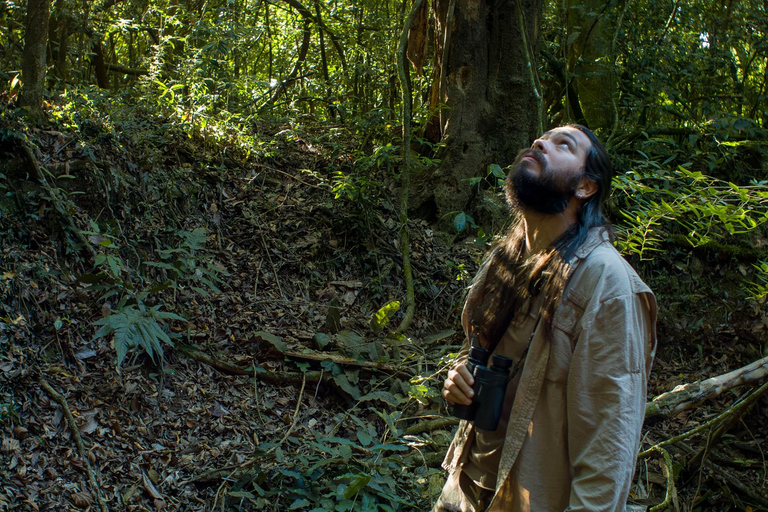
(533, 153)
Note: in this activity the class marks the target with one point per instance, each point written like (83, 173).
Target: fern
(137, 326)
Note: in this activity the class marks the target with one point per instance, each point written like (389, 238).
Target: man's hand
(457, 388)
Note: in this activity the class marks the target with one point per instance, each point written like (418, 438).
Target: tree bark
(33, 60)
(490, 93)
(591, 25)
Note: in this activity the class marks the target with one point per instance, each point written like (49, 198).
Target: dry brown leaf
(9, 446)
(150, 487)
(82, 499)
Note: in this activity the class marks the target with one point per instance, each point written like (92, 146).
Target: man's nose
(540, 144)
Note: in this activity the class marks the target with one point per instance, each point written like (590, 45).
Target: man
(557, 298)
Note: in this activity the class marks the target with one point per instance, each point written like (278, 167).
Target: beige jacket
(574, 430)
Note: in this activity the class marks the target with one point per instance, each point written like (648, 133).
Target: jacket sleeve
(606, 398)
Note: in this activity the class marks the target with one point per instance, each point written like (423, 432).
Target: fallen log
(687, 396)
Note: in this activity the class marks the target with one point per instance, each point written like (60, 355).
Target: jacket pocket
(565, 331)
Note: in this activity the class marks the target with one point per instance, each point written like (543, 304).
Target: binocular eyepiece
(490, 387)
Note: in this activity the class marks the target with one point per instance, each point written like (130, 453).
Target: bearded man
(556, 297)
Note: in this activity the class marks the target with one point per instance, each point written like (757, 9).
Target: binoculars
(490, 387)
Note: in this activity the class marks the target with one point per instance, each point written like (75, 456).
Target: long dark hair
(507, 279)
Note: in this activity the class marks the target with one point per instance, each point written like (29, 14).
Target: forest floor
(282, 390)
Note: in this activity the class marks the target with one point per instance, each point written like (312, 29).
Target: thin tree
(33, 60)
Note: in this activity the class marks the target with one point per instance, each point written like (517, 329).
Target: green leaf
(160, 287)
(241, 494)
(299, 503)
(364, 438)
(390, 447)
(384, 396)
(322, 340)
(460, 222)
(497, 171)
(350, 339)
(357, 484)
(342, 381)
(381, 318)
(275, 341)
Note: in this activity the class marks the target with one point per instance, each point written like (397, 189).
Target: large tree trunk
(33, 60)
(487, 81)
(592, 25)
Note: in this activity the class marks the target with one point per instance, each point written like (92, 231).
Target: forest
(236, 237)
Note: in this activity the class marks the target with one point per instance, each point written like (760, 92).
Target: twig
(59, 399)
(344, 361)
(760, 499)
(295, 418)
(271, 263)
(242, 468)
(732, 410)
(292, 177)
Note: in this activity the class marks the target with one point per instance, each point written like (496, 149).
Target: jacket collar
(595, 237)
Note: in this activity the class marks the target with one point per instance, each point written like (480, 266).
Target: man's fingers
(454, 395)
(457, 388)
(465, 374)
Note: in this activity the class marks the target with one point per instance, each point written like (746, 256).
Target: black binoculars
(490, 387)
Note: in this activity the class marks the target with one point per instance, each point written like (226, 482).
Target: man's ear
(586, 189)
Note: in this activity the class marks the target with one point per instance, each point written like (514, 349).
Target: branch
(282, 86)
(307, 14)
(343, 361)
(59, 399)
(267, 376)
(125, 70)
(687, 396)
(730, 479)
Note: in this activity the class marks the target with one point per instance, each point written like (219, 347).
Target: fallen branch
(344, 361)
(59, 399)
(687, 396)
(430, 425)
(265, 375)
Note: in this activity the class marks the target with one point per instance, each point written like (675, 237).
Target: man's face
(545, 177)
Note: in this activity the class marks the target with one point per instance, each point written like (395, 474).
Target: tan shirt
(573, 432)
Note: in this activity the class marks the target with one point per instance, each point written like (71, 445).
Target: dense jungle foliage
(206, 242)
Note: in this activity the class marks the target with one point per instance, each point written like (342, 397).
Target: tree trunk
(99, 64)
(487, 82)
(592, 25)
(33, 60)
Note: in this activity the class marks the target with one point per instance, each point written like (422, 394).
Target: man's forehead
(569, 131)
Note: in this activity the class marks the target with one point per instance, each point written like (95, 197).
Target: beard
(548, 193)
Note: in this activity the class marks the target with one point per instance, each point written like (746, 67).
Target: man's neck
(542, 230)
